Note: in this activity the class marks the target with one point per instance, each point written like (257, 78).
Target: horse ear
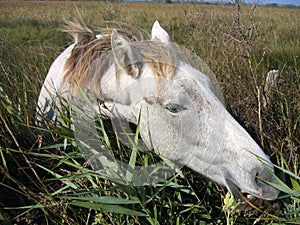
(126, 57)
(158, 33)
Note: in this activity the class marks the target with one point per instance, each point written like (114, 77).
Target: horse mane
(91, 57)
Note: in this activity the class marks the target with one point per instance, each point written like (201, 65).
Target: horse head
(177, 110)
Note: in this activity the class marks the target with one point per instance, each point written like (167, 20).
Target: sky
(294, 2)
(280, 2)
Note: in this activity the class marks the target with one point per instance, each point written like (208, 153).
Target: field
(49, 183)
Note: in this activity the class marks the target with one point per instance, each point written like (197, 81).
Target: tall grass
(50, 183)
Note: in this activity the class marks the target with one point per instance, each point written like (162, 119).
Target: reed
(50, 183)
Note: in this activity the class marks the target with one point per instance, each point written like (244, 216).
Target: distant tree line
(281, 5)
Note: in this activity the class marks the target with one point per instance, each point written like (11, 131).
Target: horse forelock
(160, 56)
(91, 57)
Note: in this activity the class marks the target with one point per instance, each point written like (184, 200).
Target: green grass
(49, 183)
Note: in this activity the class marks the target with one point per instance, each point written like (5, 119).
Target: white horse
(175, 105)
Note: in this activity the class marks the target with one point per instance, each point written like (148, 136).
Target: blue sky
(294, 2)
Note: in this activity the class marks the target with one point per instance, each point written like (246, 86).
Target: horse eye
(174, 108)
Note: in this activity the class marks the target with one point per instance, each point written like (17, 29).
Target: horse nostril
(256, 178)
(264, 178)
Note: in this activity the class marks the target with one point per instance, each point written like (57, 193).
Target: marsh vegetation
(49, 183)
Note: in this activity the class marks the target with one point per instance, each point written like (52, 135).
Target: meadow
(45, 182)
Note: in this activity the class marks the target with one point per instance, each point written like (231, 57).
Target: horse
(175, 105)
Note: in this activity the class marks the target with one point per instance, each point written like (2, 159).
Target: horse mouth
(240, 194)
